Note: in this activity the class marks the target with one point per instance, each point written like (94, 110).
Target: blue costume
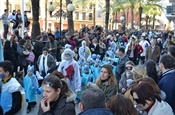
(30, 85)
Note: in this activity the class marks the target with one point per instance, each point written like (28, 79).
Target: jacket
(62, 106)
(121, 66)
(153, 55)
(108, 89)
(167, 85)
(160, 108)
(96, 111)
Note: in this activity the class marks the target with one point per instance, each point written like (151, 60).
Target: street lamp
(60, 13)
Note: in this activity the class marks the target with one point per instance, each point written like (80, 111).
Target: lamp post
(60, 13)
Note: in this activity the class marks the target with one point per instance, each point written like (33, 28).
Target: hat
(143, 34)
(30, 68)
(45, 49)
(69, 51)
(94, 56)
(67, 46)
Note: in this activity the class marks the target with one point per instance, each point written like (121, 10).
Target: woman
(55, 98)
(139, 72)
(120, 105)
(126, 77)
(151, 70)
(107, 82)
(154, 86)
(147, 101)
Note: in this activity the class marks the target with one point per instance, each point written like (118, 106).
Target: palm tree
(35, 15)
(7, 4)
(107, 2)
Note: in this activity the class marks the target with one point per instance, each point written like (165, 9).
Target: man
(11, 98)
(5, 22)
(144, 43)
(12, 18)
(93, 103)
(167, 81)
(120, 68)
(153, 51)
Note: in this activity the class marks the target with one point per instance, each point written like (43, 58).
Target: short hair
(5, 10)
(121, 105)
(129, 63)
(171, 50)
(121, 49)
(22, 41)
(45, 49)
(7, 66)
(93, 98)
(167, 61)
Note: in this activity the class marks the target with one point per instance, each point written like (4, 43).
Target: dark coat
(38, 46)
(120, 68)
(96, 111)
(94, 50)
(59, 107)
(167, 85)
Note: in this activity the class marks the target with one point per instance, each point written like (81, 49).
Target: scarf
(41, 64)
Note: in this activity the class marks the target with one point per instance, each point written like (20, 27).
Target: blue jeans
(6, 28)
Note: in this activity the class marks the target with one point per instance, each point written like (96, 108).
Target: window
(76, 15)
(84, 16)
(90, 16)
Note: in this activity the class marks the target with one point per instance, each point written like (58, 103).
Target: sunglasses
(128, 68)
(48, 84)
(137, 101)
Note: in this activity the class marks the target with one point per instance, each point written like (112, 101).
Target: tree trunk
(70, 19)
(140, 16)
(45, 15)
(147, 19)
(107, 14)
(35, 15)
(94, 9)
(7, 4)
(132, 16)
(154, 19)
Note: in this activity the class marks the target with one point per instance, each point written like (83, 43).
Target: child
(30, 87)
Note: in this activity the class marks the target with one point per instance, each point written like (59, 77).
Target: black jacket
(59, 107)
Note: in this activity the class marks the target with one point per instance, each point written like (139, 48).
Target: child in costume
(30, 87)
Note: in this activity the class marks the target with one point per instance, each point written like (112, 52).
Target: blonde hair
(112, 80)
(139, 72)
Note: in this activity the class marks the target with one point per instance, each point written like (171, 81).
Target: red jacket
(139, 49)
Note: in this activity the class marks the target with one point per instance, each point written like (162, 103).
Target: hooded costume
(30, 85)
(69, 67)
(84, 52)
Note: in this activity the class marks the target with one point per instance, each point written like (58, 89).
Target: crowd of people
(108, 73)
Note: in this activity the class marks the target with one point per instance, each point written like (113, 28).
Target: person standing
(5, 22)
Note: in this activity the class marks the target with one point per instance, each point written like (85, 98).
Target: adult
(147, 101)
(93, 103)
(153, 52)
(167, 80)
(11, 98)
(126, 77)
(5, 22)
(94, 46)
(120, 105)
(52, 46)
(55, 98)
(120, 68)
(107, 82)
(45, 63)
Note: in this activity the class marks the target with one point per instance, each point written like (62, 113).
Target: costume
(69, 67)
(11, 98)
(30, 87)
(84, 52)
